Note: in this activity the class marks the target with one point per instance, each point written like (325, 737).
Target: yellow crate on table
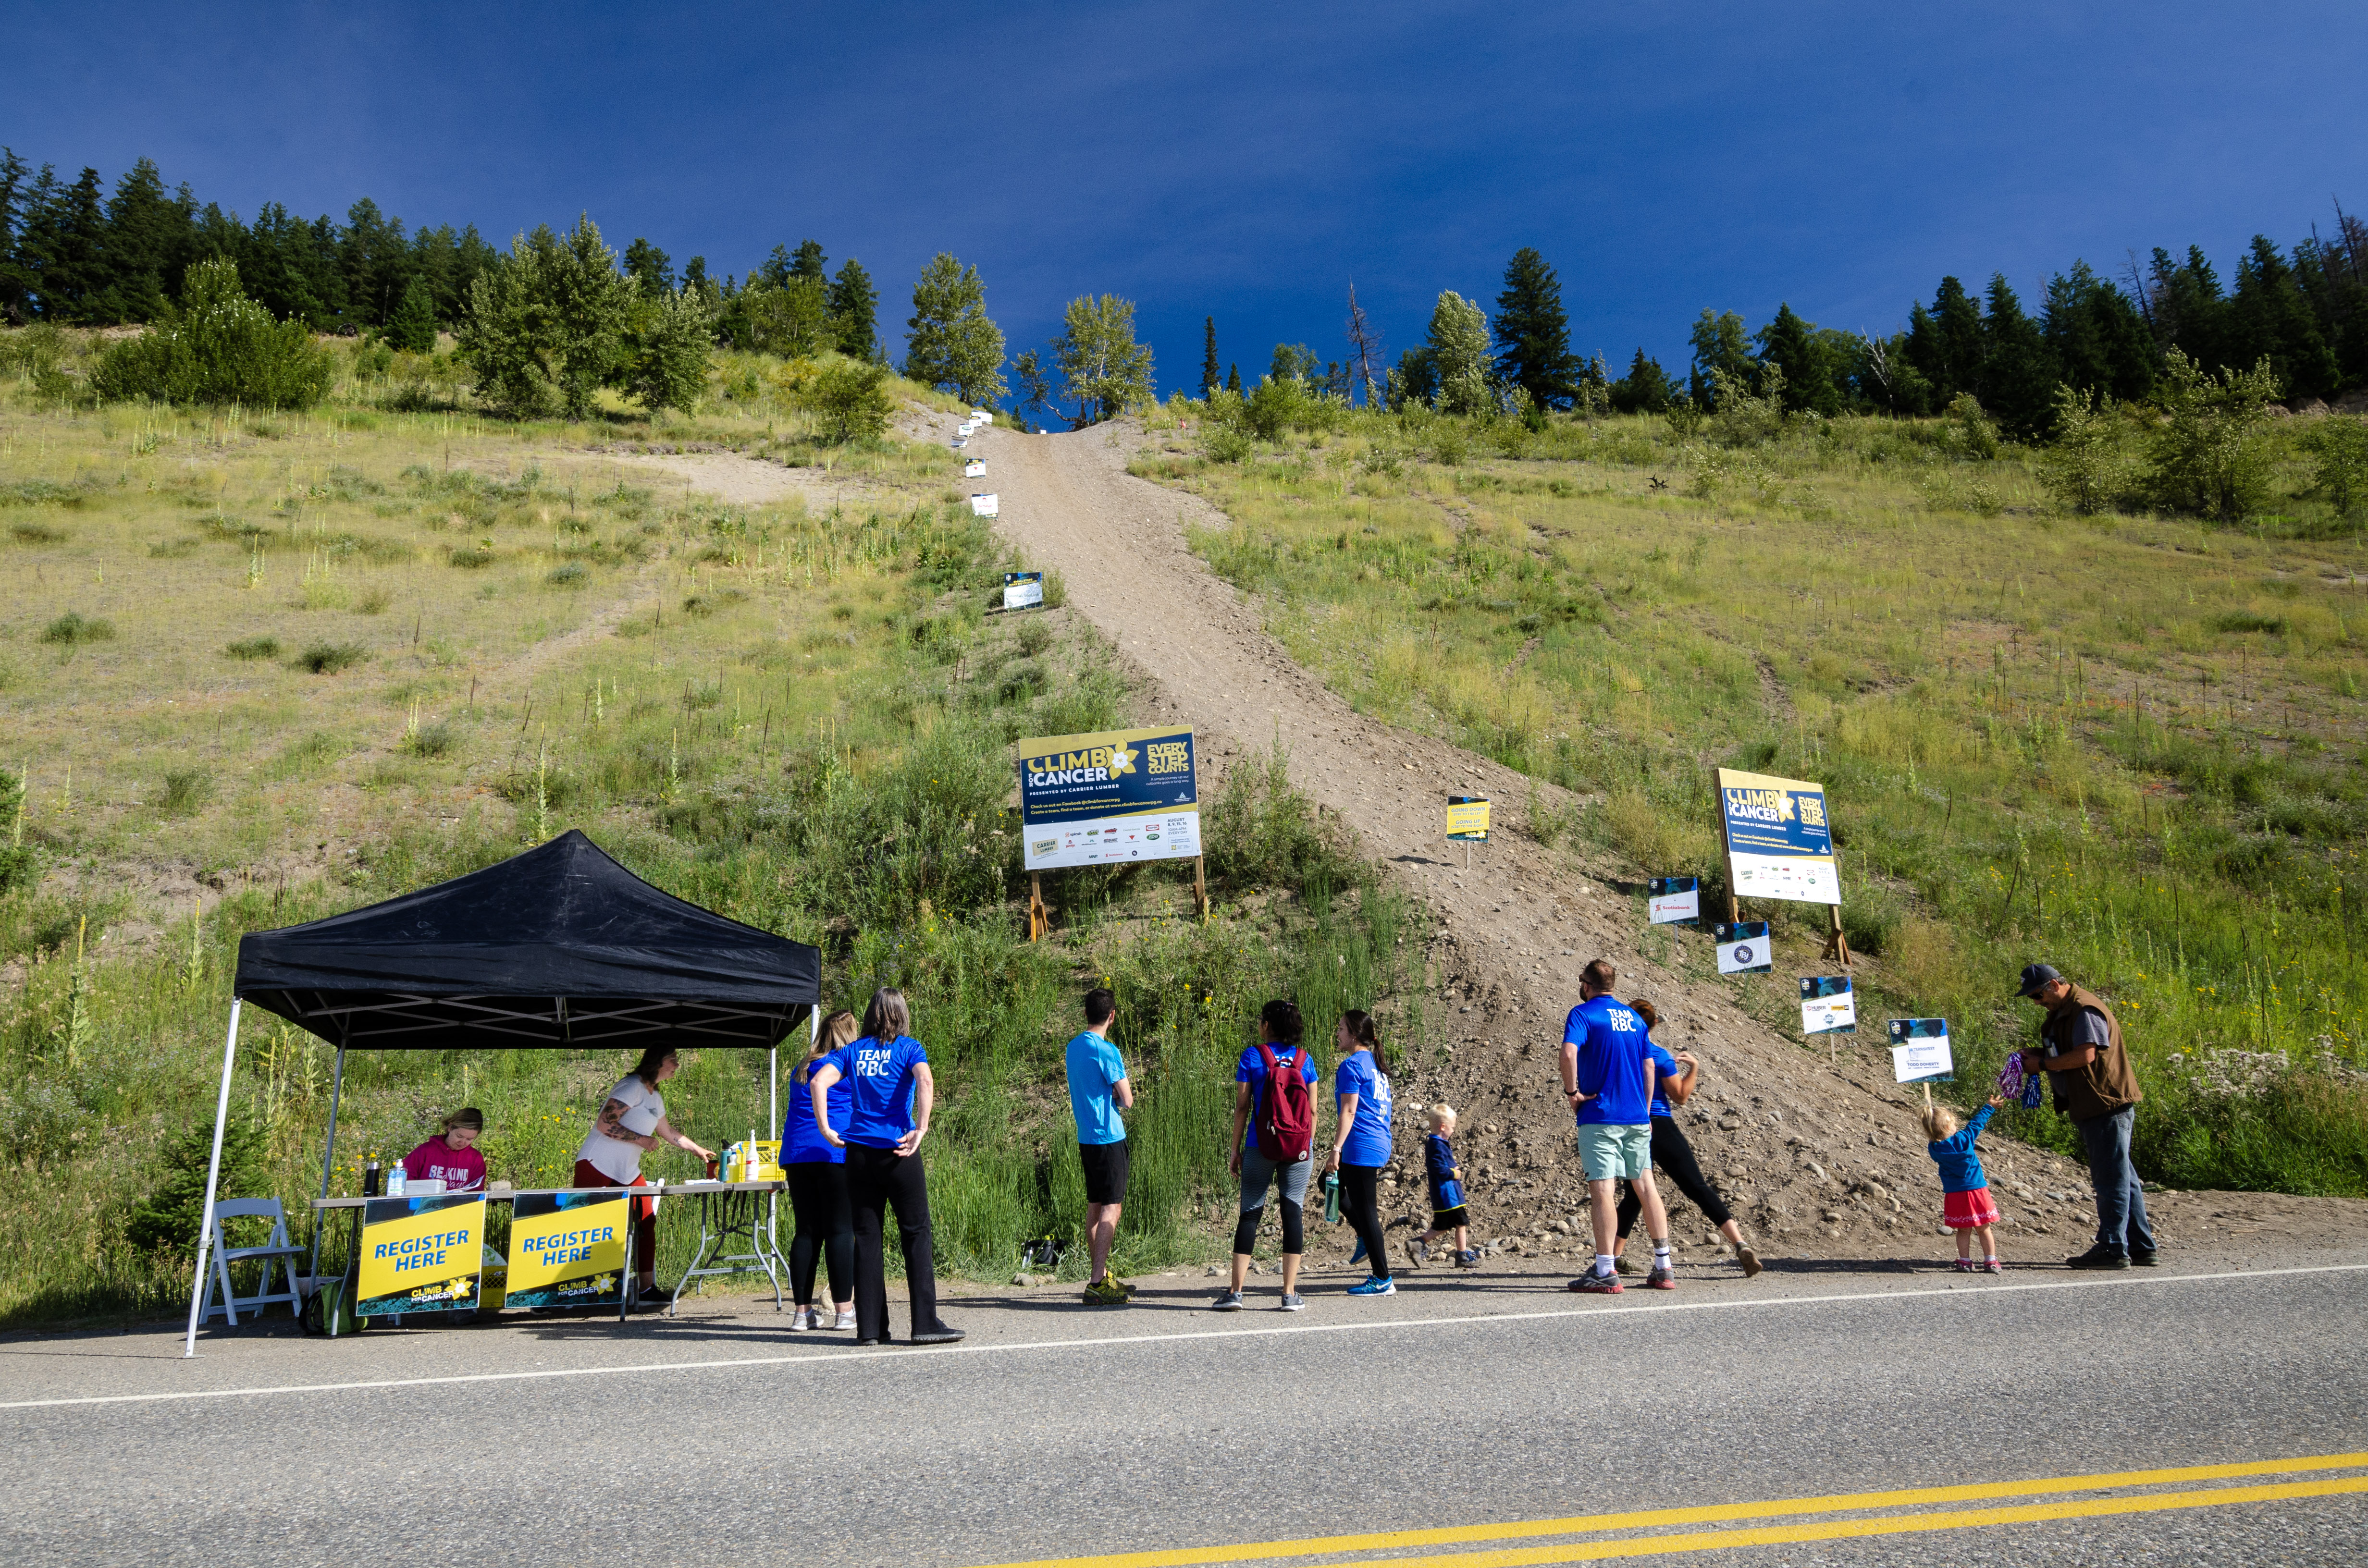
(767, 1163)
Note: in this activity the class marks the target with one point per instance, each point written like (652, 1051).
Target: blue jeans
(2121, 1196)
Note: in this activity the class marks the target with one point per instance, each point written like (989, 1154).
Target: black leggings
(877, 1181)
(1361, 1205)
(825, 1229)
(1675, 1155)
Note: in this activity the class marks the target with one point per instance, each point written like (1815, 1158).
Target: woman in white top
(633, 1120)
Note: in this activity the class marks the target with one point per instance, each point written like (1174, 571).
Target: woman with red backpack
(1273, 1143)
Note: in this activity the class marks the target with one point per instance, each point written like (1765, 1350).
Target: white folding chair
(275, 1253)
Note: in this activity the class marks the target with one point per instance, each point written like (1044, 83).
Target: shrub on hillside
(2340, 447)
(2210, 455)
(217, 346)
(2083, 469)
(1264, 832)
(668, 341)
(851, 400)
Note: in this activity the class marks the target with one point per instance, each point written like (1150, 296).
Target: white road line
(908, 1353)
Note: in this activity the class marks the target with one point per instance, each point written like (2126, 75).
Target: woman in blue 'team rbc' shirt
(1362, 1145)
(890, 1094)
(816, 1172)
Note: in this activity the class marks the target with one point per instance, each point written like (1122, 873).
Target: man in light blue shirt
(1098, 1090)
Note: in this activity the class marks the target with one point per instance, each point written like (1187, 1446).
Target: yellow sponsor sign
(422, 1254)
(569, 1244)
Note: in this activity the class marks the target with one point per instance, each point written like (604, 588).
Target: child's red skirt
(1968, 1211)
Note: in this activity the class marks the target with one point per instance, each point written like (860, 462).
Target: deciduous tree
(1103, 368)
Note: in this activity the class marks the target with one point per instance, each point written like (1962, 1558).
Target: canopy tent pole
(336, 1087)
(213, 1174)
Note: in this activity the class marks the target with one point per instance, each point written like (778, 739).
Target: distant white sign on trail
(974, 468)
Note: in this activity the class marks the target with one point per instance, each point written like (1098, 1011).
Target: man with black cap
(2080, 1050)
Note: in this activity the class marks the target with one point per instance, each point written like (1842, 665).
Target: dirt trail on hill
(1816, 1161)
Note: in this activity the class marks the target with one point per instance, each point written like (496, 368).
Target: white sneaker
(801, 1318)
(845, 1320)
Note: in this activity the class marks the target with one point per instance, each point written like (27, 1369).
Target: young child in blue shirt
(1447, 1214)
(1967, 1206)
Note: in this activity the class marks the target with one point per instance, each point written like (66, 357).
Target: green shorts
(1610, 1152)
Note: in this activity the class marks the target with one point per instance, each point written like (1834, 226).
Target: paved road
(1056, 1432)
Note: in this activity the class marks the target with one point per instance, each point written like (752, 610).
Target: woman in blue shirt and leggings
(891, 1094)
(817, 1182)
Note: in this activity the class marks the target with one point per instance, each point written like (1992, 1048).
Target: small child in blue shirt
(1447, 1211)
(1967, 1206)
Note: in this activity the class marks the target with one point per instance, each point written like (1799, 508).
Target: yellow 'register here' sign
(549, 1249)
(422, 1261)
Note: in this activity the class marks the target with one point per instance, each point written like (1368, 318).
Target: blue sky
(1252, 161)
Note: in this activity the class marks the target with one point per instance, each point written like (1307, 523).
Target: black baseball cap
(2037, 976)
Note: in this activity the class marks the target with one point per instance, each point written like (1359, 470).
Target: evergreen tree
(217, 346)
(776, 271)
(649, 268)
(1532, 333)
(694, 276)
(1944, 344)
(855, 312)
(2273, 322)
(413, 330)
(949, 340)
(665, 347)
(147, 241)
(1794, 345)
(1646, 389)
(1208, 357)
(1720, 348)
(1234, 380)
(2018, 375)
(2187, 309)
(2098, 340)
(546, 323)
(809, 263)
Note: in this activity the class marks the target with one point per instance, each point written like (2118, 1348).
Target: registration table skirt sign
(558, 948)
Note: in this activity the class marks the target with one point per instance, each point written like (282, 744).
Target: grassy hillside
(2130, 745)
(255, 670)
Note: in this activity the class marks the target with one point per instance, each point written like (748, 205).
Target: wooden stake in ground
(1040, 917)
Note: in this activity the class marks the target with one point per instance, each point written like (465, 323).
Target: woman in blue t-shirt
(890, 1095)
(817, 1180)
(1362, 1145)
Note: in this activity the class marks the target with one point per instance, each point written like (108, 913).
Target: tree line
(2301, 311)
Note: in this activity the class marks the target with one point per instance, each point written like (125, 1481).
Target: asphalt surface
(1059, 1431)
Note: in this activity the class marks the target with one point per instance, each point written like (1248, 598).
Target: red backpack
(1286, 1121)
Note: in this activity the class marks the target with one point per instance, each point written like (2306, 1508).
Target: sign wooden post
(1040, 917)
(1201, 887)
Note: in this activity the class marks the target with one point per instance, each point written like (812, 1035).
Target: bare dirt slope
(1816, 1161)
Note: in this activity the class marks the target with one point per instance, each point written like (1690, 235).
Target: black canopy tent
(559, 947)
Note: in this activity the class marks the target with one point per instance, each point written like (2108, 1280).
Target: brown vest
(2106, 1084)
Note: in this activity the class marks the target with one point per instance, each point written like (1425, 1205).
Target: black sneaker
(941, 1335)
(2142, 1258)
(2099, 1256)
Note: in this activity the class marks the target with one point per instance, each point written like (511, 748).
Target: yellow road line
(1892, 1524)
(1847, 1502)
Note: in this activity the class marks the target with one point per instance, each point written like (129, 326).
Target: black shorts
(1105, 1171)
(1449, 1219)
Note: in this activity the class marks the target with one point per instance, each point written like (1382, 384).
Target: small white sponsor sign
(985, 505)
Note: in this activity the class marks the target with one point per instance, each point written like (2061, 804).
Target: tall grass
(2130, 746)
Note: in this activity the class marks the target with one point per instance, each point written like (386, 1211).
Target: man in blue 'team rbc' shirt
(1608, 1075)
(1097, 1092)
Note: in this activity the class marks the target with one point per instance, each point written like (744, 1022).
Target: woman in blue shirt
(890, 1096)
(817, 1179)
(1360, 1146)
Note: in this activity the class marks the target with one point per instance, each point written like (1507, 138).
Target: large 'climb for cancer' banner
(1110, 796)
